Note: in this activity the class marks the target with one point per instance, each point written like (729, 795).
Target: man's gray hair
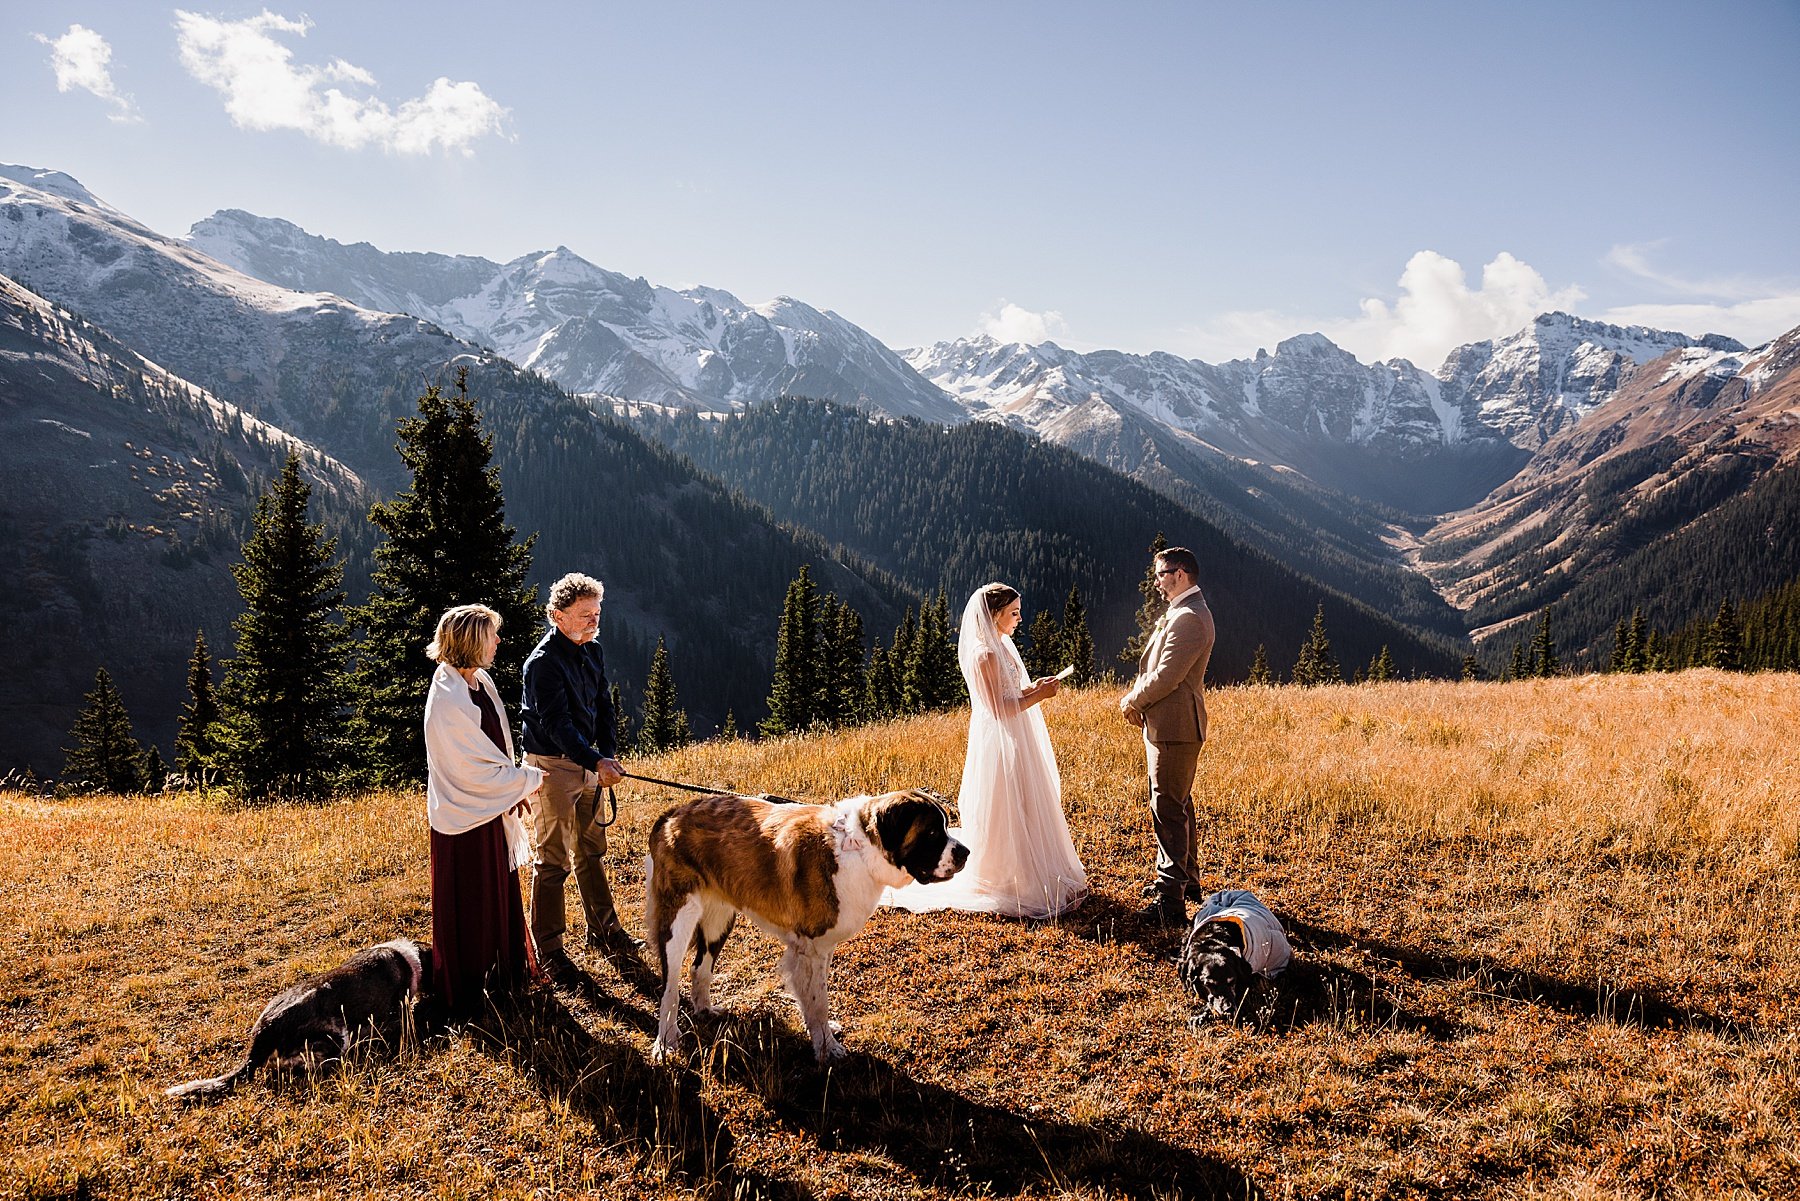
(571, 588)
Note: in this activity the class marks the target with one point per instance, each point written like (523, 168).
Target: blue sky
(1192, 177)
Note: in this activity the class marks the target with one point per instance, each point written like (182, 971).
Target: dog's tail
(262, 1045)
(212, 1086)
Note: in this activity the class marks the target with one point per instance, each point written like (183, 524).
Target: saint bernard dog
(809, 876)
(319, 1018)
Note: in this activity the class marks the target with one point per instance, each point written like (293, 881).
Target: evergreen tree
(1656, 652)
(621, 717)
(1151, 611)
(937, 679)
(156, 771)
(1637, 635)
(445, 542)
(662, 726)
(1724, 647)
(794, 692)
(1621, 645)
(105, 757)
(842, 697)
(194, 743)
(281, 725)
(1544, 662)
(1520, 666)
(1043, 649)
(902, 657)
(883, 687)
(1471, 668)
(728, 730)
(1259, 667)
(1316, 664)
(1381, 667)
(1077, 641)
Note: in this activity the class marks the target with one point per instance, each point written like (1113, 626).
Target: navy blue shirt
(568, 709)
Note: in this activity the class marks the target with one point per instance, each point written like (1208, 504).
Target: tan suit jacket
(1169, 688)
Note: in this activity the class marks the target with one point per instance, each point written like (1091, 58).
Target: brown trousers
(1172, 766)
(564, 836)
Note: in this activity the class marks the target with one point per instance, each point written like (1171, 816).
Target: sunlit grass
(1558, 921)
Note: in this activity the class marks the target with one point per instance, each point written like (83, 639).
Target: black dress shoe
(614, 942)
(1164, 911)
(558, 968)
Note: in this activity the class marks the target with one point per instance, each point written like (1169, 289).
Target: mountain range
(1562, 464)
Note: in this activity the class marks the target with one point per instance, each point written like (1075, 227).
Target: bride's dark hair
(998, 596)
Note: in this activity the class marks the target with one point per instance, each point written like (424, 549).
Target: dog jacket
(1266, 947)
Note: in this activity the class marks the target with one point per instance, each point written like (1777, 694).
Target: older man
(570, 733)
(1167, 700)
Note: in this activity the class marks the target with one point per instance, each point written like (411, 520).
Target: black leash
(677, 784)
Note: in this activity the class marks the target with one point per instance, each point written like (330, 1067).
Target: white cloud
(1752, 322)
(264, 89)
(1436, 312)
(1015, 324)
(81, 59)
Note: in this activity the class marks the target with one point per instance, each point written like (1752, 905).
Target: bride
(1022, 862)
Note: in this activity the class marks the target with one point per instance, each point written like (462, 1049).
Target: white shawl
(468, 780)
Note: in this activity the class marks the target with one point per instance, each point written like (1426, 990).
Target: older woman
(474, 794)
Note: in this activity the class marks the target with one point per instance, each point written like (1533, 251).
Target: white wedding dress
(1022, 862)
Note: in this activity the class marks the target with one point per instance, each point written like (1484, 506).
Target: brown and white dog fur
(320, 1017)
(809, 876)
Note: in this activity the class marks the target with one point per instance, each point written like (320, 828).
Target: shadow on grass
(1589, 1000)
(945, 1140)
(612, 1084)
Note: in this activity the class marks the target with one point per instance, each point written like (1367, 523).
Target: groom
(1167, 701)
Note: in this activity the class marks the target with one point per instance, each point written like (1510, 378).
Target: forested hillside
(954, 507)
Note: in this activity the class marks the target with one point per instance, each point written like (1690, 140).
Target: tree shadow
(612, 1084)
(1582, 999)
(944, 1139)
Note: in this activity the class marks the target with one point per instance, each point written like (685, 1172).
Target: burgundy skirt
(477, 918)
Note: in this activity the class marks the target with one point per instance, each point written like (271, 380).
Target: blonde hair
(460, 633)
(571, 588)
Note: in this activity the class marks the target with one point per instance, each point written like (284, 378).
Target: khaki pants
(564, 836)
(1172, 767)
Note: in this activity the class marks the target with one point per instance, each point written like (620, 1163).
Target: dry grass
(1555, 926)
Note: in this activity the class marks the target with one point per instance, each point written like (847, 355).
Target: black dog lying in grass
(1234, 948)
(318, 1019)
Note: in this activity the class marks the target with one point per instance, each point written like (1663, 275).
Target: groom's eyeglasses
(1167, 570)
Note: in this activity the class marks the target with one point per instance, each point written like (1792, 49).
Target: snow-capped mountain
(594, 330)
(1531, 385)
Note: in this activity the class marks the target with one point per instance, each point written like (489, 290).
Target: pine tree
(728, 730)
(1259, 667)
(842, 658)
(937, 680)
(1471, 668)
(445, 542)
(1316, 664)
(1151, 611)
(281, 728)
(794, 691)
(1544, 662)
(194, 741)
(1043, 650)
(621, 717)
(1381, 667)
(156, 771)
(1637, 657)
(901, 657)
(1724, 645)
(1520, 666)
(883, 687)
(105, 757)
(662, 726)
(1621, 645)
(1077, 641)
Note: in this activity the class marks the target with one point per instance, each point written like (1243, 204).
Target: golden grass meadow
(1554, 928)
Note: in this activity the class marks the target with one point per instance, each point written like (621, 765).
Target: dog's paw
(831, 1051)
(662, 1052)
